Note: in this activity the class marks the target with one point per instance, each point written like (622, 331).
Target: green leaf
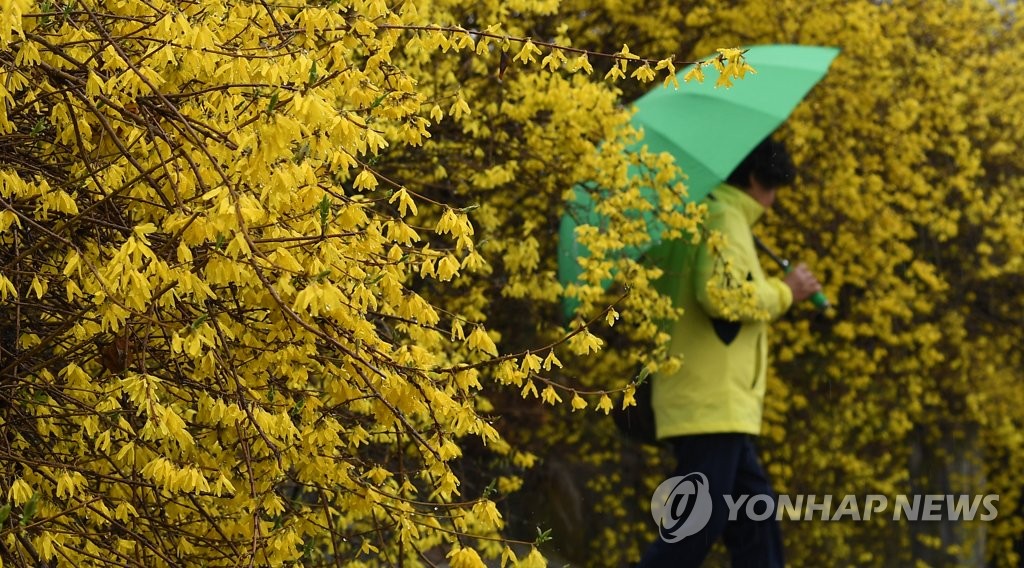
(199, 321)
(30, 510)
(273, 102)
(46, 8)
(542, 536)
(307, 548)
(644, 373)
(302, 153)
(376, 103)
(5, 512)
(325, 210)
(297, 408)
(39, 126)
(312, 73)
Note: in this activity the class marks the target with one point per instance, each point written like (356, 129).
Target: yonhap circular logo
(681, 506)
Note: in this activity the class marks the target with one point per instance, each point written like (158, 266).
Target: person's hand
(802, 282)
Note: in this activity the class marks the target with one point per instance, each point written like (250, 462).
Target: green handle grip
(820, 301)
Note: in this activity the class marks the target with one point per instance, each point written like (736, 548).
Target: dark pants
(729, 461)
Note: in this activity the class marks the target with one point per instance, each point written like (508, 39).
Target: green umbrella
(708, 130)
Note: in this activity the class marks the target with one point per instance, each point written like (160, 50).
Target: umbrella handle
(819, 299)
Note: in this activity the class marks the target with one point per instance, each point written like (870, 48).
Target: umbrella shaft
(783, 263)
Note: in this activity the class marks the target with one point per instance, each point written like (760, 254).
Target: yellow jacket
(721, 383)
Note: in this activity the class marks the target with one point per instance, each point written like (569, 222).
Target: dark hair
(769, 162)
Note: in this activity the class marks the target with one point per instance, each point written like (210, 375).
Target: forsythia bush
(271, 273)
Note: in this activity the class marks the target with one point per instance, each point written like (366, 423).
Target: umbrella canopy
(708, 130)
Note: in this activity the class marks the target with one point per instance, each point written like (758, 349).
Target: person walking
(709, 411)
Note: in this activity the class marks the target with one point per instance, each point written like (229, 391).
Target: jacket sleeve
(771, 295)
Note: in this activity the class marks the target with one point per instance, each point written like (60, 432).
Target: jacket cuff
(785, 295)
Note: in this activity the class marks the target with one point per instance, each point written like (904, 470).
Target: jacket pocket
(758, 359)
